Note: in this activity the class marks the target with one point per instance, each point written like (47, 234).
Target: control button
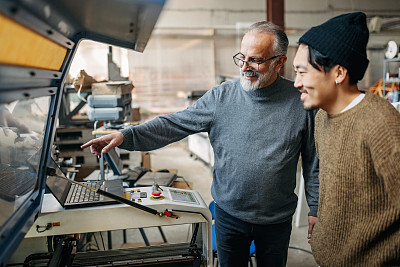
(139, 200)
(133, 199)
(156, 193)
(138, 190)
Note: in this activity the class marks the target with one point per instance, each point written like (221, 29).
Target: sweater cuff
(313, 211)
(128, 139)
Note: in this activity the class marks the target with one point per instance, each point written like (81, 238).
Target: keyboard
(14, 183)
(82, 194)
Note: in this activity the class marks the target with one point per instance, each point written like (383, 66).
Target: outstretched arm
(105, 143)
(160, 131)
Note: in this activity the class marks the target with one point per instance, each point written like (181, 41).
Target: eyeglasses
(253, 64)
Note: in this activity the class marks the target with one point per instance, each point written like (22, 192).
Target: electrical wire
(301, 249)
(79, 94)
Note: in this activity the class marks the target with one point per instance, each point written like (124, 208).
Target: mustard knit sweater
(359, 199)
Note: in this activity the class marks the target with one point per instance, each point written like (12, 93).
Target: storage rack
(386, 77)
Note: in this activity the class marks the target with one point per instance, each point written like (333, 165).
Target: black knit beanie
(344, 40)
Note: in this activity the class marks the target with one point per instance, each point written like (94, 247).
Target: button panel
(183, 196)
(137, 195)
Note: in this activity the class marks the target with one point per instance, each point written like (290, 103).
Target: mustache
(251, 73)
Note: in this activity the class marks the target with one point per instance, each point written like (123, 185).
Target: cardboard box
(182, 185)
(135, 114)
(146, 163)
(112, 88)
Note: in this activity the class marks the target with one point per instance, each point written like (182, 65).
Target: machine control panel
(145, 195)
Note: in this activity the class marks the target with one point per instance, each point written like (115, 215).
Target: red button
(156, 193)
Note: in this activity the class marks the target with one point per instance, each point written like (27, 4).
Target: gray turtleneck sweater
(257, 137)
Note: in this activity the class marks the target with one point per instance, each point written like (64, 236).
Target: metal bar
(162, 234)
(101, 163)
(146, 241)
(76, 109)
(109, 240)
(24, 16)
(194, 236)
(124, 235)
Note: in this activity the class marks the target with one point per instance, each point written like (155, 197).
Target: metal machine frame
(65, 22)
(102, 218)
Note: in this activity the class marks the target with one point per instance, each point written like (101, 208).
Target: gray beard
(261, 79)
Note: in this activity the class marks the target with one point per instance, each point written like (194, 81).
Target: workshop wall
(194, 41)
(299, 14)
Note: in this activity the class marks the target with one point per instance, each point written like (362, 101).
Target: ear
(341, 74)
(280, 63)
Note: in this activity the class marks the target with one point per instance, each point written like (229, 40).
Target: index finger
(91, 142)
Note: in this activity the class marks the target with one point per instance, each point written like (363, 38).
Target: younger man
(357, 137)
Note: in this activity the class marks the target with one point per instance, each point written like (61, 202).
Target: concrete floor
(177, 156)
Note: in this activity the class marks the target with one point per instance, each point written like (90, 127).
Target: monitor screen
(58, 187)
(22, 125)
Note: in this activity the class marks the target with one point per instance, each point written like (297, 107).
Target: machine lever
(170, 214)
(128, 202)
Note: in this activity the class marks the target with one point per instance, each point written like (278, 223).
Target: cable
(45, 228)
(79, 94)
(301, 249)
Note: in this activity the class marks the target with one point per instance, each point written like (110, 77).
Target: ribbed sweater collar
(352, 111)
(265, 92)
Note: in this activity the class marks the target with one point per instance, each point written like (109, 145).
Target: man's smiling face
(317, 88)
(257, 47)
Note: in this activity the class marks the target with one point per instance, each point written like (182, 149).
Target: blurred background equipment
(392, 50)
(111, 102)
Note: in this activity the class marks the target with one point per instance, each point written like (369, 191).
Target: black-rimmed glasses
(253, 64)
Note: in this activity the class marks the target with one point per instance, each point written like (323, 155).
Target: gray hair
(281, 41)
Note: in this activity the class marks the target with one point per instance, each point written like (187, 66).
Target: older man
(357, 136)
(257, 128)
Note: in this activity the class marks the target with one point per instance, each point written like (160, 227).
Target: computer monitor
(114, 161)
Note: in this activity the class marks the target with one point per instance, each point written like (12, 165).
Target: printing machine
(38, 41)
